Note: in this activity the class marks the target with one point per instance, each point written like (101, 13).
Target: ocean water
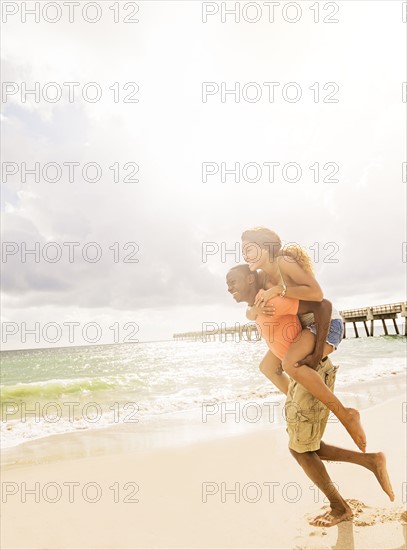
(53, 391)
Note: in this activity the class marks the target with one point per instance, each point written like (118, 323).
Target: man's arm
(322, 313)
(252, 312)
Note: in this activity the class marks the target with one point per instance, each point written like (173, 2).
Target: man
(306, 416)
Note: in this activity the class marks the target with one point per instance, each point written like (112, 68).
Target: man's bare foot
(352, 423)
(378, 467)
(334, 516)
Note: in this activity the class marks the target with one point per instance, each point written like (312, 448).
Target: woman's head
(260, 245)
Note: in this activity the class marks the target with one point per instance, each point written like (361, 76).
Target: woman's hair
(269, 240)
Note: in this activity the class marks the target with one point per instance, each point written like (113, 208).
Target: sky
(148, 256)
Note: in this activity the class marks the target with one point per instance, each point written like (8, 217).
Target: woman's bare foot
(378, 467)
(334, 516)
(352, 423)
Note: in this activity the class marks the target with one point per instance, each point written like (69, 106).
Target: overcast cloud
(169, 213)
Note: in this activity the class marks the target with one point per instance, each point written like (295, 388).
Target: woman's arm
(299, 283)
(261, 278)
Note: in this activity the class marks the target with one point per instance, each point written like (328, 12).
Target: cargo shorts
(306, 416)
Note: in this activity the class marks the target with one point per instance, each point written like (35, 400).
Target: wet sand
(238, 492)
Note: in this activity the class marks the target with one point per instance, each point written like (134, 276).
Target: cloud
(169, 213)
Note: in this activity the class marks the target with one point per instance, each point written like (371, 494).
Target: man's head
(242, 283)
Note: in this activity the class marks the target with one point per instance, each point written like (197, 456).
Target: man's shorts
(306, 416)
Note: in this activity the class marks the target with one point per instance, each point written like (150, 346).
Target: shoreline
(183, 428)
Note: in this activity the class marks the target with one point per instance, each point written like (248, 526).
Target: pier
(374, 313)
(223, 333)
(249, 332)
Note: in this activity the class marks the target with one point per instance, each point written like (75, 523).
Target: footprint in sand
(365, 516)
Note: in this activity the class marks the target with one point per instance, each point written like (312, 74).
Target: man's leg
(375, 462)
(305, 430)
(312, 465)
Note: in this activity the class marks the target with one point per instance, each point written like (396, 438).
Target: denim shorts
(335, 333)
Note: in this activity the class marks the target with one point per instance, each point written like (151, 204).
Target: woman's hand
(267, 310)
(266, 295)
(253, 311)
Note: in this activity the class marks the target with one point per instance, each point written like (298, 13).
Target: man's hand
(310, 360)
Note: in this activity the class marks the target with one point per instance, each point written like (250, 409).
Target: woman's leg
(271, 367)
(312, 382)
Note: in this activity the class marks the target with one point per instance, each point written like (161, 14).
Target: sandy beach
(240, 492)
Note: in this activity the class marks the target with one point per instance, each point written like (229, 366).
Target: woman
(287, 272)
